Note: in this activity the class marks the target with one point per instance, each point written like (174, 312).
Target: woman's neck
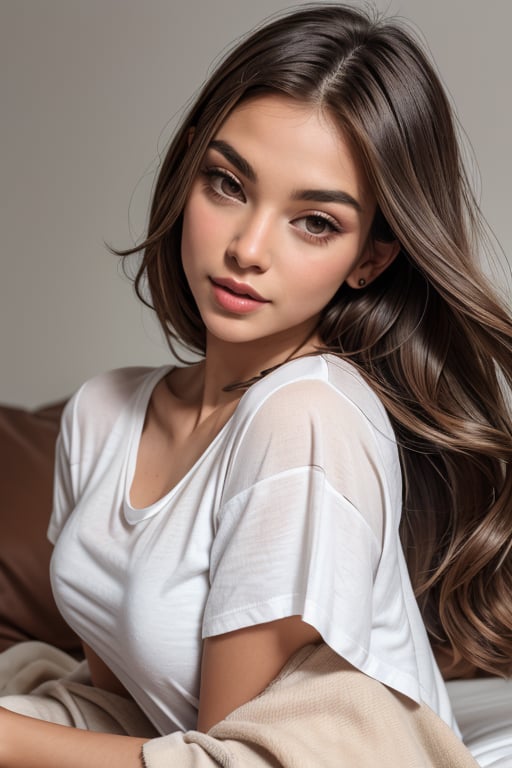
(227, 365)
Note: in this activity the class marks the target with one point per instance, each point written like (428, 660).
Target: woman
(311, 236)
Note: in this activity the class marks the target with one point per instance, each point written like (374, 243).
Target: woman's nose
(251, 245)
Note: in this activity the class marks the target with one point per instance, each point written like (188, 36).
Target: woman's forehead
(293, 139)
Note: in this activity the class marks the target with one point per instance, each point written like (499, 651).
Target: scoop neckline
(136, 514)
(133, 514)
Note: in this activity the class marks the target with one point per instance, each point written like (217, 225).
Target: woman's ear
(377, 257)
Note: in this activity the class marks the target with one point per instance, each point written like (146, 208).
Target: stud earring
(361, 282)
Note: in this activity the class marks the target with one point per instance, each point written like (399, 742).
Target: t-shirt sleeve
(306, 510)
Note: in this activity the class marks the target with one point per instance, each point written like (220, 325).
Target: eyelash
(213, 174)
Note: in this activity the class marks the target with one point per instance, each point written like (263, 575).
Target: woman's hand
(29, 743)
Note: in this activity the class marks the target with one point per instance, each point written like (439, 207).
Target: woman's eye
(316, 226)
(224, 185)
(228, 186)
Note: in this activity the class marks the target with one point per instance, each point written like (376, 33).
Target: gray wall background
(89, 91)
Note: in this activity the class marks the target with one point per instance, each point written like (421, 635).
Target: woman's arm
(29, 743)
(239, 665)
(236, 667)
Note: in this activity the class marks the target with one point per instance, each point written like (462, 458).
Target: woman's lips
(236, 297)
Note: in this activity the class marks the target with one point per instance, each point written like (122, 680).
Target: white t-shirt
(293, 509)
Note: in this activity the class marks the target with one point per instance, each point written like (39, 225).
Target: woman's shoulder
(311, 387)
(97, 403)
(311, 412)
(119, 384)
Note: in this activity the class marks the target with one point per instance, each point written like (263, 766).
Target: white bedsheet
(483, 709)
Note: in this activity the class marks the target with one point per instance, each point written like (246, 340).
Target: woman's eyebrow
(234, 158)
(328, 196)
(313, 195)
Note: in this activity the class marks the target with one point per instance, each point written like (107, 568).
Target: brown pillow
(27, 608)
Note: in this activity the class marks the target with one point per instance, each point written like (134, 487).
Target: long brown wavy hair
(429, 334)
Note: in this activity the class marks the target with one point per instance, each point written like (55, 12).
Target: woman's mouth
(236, 297)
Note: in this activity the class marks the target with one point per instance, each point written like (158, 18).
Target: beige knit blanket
(319, 713)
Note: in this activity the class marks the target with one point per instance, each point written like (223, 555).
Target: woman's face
(277, 219)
